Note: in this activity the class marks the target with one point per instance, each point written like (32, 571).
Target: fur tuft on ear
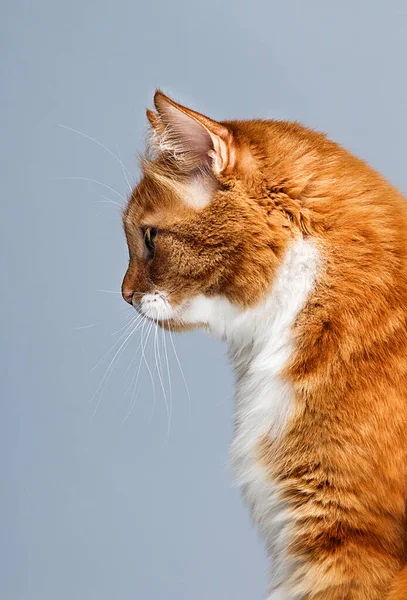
(194, 139)
(155, 121)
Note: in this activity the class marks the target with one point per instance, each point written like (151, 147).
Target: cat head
(209, 222)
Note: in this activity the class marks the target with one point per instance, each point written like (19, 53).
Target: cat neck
(260, 344)
(259, 338)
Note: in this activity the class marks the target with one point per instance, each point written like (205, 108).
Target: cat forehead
(165, 199)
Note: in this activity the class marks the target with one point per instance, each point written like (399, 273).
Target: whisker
(135, 356)
(180, 368)
(92, 181)
(124, 170)
(134, 321)
(125, 325)
(132, 361)
(143, 347)
(135, 379)
(119, 292)
(159, 367)
(108, 373)
(107, 201)
(119, 160)
(164, 345)
(86, 326)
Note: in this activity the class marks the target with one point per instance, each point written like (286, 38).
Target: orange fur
(399, 587)
(341, 463)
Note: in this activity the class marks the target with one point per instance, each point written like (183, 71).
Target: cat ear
(192, 136)
(155, 121)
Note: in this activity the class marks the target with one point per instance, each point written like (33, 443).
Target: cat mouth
(172, 324)
(157, 309)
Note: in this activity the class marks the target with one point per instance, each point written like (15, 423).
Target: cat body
(280, 242)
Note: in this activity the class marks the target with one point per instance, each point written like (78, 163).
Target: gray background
(100, 508)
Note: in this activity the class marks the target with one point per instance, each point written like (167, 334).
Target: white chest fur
(260, 344)
(263, 399)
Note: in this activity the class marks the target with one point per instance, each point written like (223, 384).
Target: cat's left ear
(195, 137)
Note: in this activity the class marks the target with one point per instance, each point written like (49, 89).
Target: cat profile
(279, 241)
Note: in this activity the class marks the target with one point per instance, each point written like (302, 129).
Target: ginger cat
(281, 242)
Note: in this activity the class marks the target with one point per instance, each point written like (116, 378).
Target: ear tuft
(154, 120)
(191, 136)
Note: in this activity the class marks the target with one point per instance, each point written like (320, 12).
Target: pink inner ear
(187, 134)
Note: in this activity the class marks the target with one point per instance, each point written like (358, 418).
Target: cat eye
(149, 236)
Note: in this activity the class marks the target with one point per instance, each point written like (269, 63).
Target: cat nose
(127, 293)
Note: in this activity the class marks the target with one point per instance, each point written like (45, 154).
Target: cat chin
(215, 314)
(173, 325)
(157, 307)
